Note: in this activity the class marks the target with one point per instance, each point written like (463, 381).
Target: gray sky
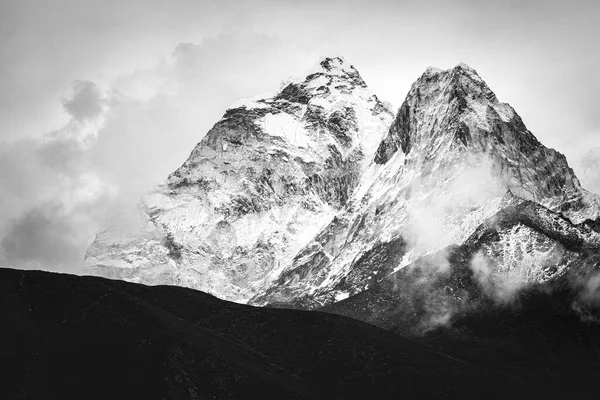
(100, 100)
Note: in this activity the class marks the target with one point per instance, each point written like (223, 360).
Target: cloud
(587, 303)
(588, 167)
(63, 155)
(502, 288)
(53, 202)
(468, 187)
(54, 199)
(591, 290)
(42, 237)
(86, 102)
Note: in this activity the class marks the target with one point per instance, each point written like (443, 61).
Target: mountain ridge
(449, 157)
(316, 193)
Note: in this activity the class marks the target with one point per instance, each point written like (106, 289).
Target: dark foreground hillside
(70, 337)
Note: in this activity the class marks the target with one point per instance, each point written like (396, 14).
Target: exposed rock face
(448, 160)
(257, 188)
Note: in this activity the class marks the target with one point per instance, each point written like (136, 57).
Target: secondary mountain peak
(336, 64)
(330, 77)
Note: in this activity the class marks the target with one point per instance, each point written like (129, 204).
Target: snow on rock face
(450, 156)
(526, 243)
(317, 193)
(257, 188)
(451, 115)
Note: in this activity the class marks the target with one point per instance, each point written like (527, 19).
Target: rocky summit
(318, 193)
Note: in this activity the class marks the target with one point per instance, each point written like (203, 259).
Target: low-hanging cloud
(502, 288)
(587, 168)
(467, 188)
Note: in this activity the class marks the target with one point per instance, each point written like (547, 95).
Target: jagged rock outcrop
(448, 160)
(256, 189)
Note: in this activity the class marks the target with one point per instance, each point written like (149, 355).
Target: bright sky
(129, 87)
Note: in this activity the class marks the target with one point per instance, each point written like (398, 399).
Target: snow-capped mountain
(446, 165)
(318, 193)
(258, 187)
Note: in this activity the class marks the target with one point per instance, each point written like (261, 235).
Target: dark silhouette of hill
(72, 337)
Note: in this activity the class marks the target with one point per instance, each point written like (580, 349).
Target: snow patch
(341, 296)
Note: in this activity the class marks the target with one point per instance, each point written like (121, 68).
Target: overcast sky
(102, 99)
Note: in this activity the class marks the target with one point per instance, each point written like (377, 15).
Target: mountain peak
(451, 117)
(461, 81)
(432, 70)
(457, 98)
(330, 75)
(331, 78)
(460, 67)
(260, 184)
(464, 66)
(336, 65)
